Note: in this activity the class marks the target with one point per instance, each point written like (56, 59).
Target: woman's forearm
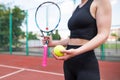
(92, 44)
(63, 42)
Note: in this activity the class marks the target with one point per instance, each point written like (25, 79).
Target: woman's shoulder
(103, 5)
(102, 2)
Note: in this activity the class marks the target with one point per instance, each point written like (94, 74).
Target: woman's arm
(53, 43)
(103, 19)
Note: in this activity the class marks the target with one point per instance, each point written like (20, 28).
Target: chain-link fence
(19, 35)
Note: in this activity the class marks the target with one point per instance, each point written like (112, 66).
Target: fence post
(27, 51)
(102, 47)
(10, 31)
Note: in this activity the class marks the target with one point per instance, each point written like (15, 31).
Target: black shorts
(82, 67)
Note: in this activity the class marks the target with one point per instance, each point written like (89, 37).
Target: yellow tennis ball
(57, 50)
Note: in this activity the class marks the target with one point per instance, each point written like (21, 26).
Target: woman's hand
(67, 54)
(48, 40)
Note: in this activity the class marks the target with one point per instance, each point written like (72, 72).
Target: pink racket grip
(44, 61)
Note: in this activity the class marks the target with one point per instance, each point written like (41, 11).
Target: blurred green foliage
(56, 36)
(18, 17)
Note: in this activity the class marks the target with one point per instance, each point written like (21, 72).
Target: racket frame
(47, 31)
(45, 46)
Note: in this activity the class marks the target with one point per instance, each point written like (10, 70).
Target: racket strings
(48, 17)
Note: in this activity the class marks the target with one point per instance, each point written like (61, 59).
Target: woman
(89, 27)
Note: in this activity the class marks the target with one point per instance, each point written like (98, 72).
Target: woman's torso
(82, 24)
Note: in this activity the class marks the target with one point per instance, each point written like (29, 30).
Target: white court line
(13, 67)
(10, 74)
(33, 70)
(46, 72)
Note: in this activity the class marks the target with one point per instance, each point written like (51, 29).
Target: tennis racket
(47, 19)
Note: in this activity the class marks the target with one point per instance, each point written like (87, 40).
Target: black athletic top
(82, 24)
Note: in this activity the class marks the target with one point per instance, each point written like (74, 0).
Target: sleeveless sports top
(82, 24)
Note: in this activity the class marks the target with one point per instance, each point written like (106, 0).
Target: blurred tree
(32, 36)
(18, 17)
(114, 34)
(56, 36)
(118, 38)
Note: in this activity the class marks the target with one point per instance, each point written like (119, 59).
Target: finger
(47, 37)
(57, 57)
(43, 41)
(65, 57)
(64, 51)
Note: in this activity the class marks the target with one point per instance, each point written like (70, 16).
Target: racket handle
(44, 61)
